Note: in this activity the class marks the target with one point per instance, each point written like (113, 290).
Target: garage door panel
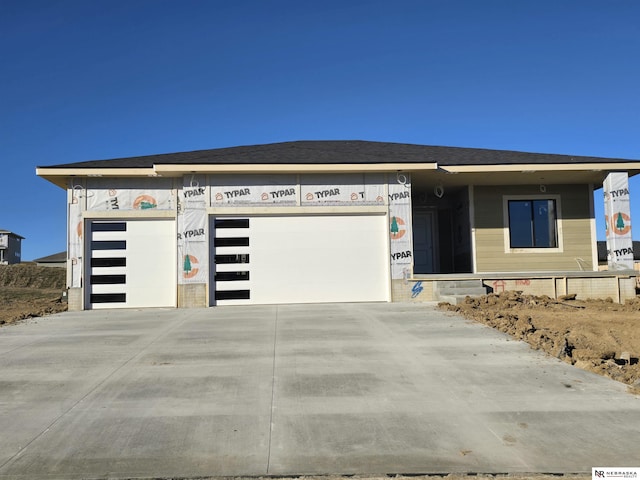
(241, 285)
(109, 253)
(109, 271)
(143, 273)
(232, 267)
(102, 306)
(115, 288)
(305, 259)
(99, 235)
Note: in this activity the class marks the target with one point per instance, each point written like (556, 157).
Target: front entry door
(424, 239)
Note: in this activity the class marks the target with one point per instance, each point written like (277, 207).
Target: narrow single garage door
(130, 264)
(299, 259)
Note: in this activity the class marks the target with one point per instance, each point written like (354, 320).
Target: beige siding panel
(575, 225)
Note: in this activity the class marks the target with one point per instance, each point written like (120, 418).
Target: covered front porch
(617, 286)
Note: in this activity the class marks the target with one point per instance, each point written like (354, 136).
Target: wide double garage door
(299, 259)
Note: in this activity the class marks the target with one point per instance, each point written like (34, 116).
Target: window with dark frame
(532, 224)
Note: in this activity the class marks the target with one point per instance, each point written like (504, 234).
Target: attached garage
(299, 259)
(131, 263)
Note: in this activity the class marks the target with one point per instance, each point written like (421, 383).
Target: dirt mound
(27, 291)
(16, 310)
(596, 335)
(28, 275)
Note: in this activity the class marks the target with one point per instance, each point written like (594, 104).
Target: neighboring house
(55, 260)
(332, 221)
(10, 247)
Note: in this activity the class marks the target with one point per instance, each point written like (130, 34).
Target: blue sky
(84, 80)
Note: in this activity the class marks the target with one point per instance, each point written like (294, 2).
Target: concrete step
(443, 284)
(475, 291)
(453, 299)
(454, 291)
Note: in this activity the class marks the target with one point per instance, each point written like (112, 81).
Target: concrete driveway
(296, 389)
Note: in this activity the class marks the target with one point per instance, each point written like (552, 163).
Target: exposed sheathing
(400, 231)
(193, 246)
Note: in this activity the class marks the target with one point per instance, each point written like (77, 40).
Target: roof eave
(176, 170)
(541, 167)
(59, 176)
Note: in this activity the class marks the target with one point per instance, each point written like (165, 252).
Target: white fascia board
(171, 170)
(94, 172)
(58, 176)
(545, 167)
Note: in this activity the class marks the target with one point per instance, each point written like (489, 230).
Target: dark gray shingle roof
(55, 258)
(339, 152)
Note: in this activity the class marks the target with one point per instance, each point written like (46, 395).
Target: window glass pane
(108, 279)
(109, 262)
(520, 224)
(108, 244)
(544, 220)
(231, 276)
(239, 258)
(233, 295)
(108, 297)
(109, 226)
(532, 223)
(232, 223)
(232, 242)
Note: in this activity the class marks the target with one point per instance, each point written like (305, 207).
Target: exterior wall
(192, 199)
(574, 231)
(617, 288)
(75, 299)
(413, 291)
(192, 295)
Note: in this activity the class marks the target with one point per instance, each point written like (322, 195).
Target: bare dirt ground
(28, 291)
(595, 335)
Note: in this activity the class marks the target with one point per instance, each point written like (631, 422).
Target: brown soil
(595, 335)
(28, 291)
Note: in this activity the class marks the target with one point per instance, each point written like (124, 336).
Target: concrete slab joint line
(95, 387)
(273, 388)
(297, 390)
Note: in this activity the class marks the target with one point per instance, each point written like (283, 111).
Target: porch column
(617, 217)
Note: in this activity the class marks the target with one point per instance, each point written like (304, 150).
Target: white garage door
(299, 259)
(131, 264)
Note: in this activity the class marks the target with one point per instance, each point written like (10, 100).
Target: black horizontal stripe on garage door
(108, 297)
